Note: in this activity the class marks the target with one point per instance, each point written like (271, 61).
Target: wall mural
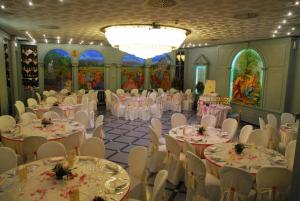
(91, 70)
(246, 78)
(57, 70)
(160, 72)
(132, 75)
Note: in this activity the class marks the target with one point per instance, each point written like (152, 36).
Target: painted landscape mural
(160, 72)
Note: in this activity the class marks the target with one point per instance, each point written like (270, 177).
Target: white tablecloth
(200, 142)
(218, 110)
(69, 110)
(56, 131)
(92, 177)
(251, 160)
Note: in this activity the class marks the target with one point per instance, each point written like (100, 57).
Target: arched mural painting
(57, 70)
(91, 70)
(246, 77)
(132, 75)
(160, 72)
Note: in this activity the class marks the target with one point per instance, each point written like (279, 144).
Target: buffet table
(90, 177)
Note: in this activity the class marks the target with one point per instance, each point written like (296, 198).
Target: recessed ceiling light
(92, 43)
(58, 37)
(44, 35)
(81, 42)
(275, 32)
(293, 28)
(284, 21)
(288, 33)
(273, 35)
(194, 45)
(279, 27)
(297, 3)
(101, 44)
(289, 13)
(200, 45)
(205, 44)
(61, 0)
(30, 3)
(2, 6)
(46, 41)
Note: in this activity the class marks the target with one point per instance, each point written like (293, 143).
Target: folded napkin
(56, 159)
(120, 184)
(112, 166)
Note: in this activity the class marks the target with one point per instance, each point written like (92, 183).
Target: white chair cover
(51, 115)
(287, 118)
(20, 107)
(46, 93)
(137, 162)
(52, 92)
(64, 91)
(273, 183)
(70, 100)
(178, 119)
(51, 100)
(93, 147)
(108, 99)
(98, 132)
(230, 126)
(176, 102)
(208, 120)
(51, 149)
(72, 142)
(134, 92)
(290, 154)
(157, 126)
(144, 93)
(85, 99)
(99, 121)
(262, 123)
(259, 137)
(31, 102)
(153, 96)
(272, 120)
(30, 146)
(58, 110)
(8, 159)
(120, 92)
(27, 117)
(83, 118)
(39, 98)
(6, 123)
(236, 184)
(273, 137)
(158, 193)
(81, 91)
(160, 91)
(244, 134)
(118, 109)
(174, 161)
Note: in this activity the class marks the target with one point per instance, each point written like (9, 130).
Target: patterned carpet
(122, 135)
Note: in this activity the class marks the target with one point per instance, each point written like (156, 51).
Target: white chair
(157, 153)
(137, 162)
(134, 92)
(262, 123)
(230, 126)
(144, 93)
(93, 147)
(58, 110)
(187, 147)
(99, 121)
(31, 102)
(244, 134)
(81, 91)
(153, 96)
(8, 159)
(108, 99)
(20, 108)
(176, 102)
(6, 123)
(27, 117)
(72, 142)
(200, 183)
(118, 109)
(208, 120)
(290, 154)
(51, 115)
(98, 132)
(174, 161)
(287, 118)
(83, 118)
(187, 103)
(273, 137)
(30, 146)
(120, 92)
(160, 91)
(272, 120)
(236, 184)
(273, 183)
(70, 100)
(46, 94)
(157, 126)
(178, 119)
(258, 137)
(52, 92)
(51, 100)
(172, 90)
(51, 149)
(38, 96)
(64, 91)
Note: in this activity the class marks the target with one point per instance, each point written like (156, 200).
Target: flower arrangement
(97, 198)
(45, 122)
(56, 103)
(239, 148)
(201, 130)
(61, 171)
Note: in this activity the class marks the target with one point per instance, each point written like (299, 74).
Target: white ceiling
(210, 21)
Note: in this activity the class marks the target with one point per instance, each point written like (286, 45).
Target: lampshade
(145, 41)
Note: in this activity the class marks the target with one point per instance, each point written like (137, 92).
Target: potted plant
(239, 148)
(201, 130)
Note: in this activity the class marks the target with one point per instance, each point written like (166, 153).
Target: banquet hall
(149, 100)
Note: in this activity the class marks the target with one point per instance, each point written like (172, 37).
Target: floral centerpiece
(56, 103)
(61, 171)
(239, 148)
(45, 122)
(201, 130)
(97, 198)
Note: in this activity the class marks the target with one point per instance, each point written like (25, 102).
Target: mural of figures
(246, 77)
(57, 70)
(91, 70)
(160, 72)
(132, 75)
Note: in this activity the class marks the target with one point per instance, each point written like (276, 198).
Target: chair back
(159, 186)
(144, 93)
(157, 126)
(38, 96)
(137, 161)
(287, 118)
(51, 115)
(273, 137)
(46, 93)
(235, 183)
(83, 118)
(71, 100)
(51, 100)
(85, 99)
(120, 92)
(52, 92)
(290, 154)
(8, 159)
(93, 147)
(273, 183)
(160, 91)
(230, 126)
(154, 137)
(72, 142)
(108, 95)
(188, 147)
(30, 146)
(20, 107)
(81, 91)
(58, 110)
(173, 147)
(208, 120)
(262, 123)
(98, 132)
(99, 121)
(134, 92)
(153, 96)
(272, 120)
(259, 137)
(178, 119)
(6, 123)
(244, 134)
(51, 149)
(27, 117)
(64, 91)
(31, 102)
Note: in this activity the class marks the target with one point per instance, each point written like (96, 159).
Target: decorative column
(16, 83)
(147, 77)
(3, 85)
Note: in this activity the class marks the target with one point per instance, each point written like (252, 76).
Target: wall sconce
(182, 57)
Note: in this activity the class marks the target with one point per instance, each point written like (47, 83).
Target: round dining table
(200, 142)
(90, 177)
(56, 131)
(251, 159)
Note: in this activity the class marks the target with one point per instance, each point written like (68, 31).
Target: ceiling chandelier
(145, 41)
